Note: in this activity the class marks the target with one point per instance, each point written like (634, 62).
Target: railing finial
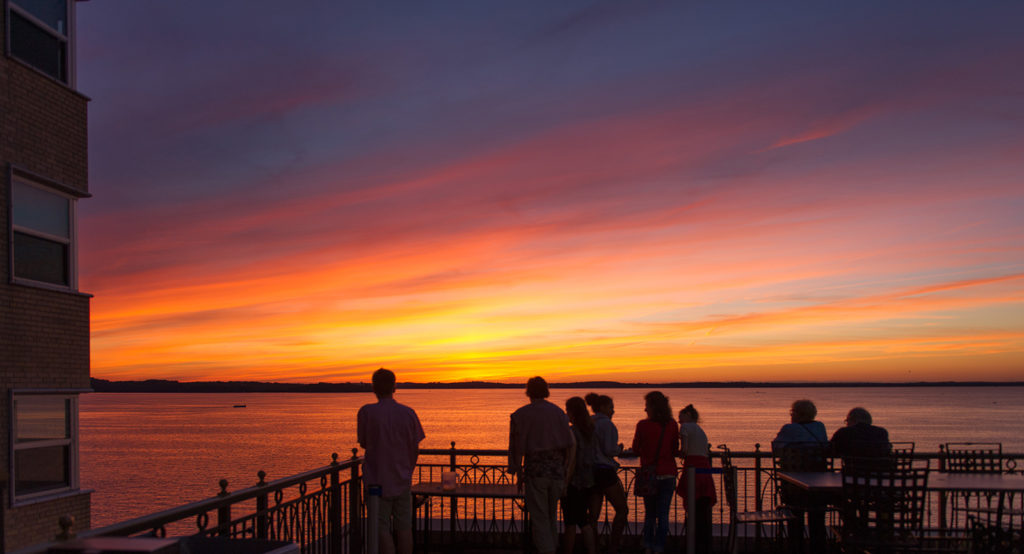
(334, 458)
(67, 524)
(355, 453)
(223, 487)
(261, 474)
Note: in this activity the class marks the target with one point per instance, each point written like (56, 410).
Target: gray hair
(804, 411)
(858, 415)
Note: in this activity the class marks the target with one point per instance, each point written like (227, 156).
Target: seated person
(801, 445)
(860, 438)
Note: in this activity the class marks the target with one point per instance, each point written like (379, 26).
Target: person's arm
(675, 444)
(781, 438)
(683, 446)
(570, 458)
(419, 435)
(834, 446)
(636, 440)
(514, 456)
(616, 445)
(361, 428)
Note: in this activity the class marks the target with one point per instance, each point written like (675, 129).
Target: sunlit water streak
(146, 452)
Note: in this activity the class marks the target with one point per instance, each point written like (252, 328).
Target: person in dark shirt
(860, 438)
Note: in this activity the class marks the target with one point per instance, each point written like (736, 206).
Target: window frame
(72, 442)
(71, 195)
(68, 39)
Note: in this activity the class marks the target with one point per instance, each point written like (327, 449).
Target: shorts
(605, 477)
(396, 512)
(576, 506)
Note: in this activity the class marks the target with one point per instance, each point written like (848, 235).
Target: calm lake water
(146, 452)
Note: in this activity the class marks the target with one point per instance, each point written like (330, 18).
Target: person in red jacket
(656, 441)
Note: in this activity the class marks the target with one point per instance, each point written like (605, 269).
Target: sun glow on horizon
(664, 194)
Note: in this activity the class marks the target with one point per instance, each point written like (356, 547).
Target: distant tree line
(163, 385)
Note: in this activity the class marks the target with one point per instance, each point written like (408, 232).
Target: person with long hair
(695, 452)
(580, 489)
(607, 484)
(656, 441)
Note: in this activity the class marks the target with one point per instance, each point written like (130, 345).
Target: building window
(43, 228)
(38, 34)
(45, 444)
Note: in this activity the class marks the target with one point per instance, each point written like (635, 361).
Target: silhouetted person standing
(390, 433)
(539, 445)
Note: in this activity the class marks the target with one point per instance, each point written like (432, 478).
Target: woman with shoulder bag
(656, 441)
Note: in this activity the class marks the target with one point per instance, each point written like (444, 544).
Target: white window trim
(67, 39)
(71, 241)
(72, 443)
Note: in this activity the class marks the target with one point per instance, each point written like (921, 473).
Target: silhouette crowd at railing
(323, 509)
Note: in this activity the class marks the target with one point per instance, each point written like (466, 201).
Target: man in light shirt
(539, 446)
(390, 433)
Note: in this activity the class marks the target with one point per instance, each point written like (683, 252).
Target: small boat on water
(239, 405)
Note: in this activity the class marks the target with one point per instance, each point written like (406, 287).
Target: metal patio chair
(730, 483)
(882, 508)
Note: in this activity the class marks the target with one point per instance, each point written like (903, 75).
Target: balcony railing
(323, 510)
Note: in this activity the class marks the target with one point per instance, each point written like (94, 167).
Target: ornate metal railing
(757, 487)
(322, 510)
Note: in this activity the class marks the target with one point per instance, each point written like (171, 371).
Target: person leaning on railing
(539, 443)
(390, 433)
(656, 441)
(576, 502)
(695, 452)
(607, 484)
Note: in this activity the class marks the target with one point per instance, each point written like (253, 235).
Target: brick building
(44, 318)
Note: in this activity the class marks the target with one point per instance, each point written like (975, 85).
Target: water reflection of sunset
(669, 194)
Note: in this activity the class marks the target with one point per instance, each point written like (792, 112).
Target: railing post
(355, 509)
(451, 503)
(224, 512)
(758, 501)
(261, 507)
(334, 507)
(942, 494)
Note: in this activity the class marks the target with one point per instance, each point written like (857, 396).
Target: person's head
(537, 388)
(858, 415)
(601, 404)
(576, 409)
(689, 414)
(803, 411)
(383, 383)
(657, 407)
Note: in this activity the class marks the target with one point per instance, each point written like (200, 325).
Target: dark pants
(656, 510)
(815, 531)
(702, 519)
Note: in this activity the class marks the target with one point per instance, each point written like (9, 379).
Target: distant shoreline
(160, 385)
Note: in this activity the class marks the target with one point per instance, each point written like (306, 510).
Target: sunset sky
(635, 191)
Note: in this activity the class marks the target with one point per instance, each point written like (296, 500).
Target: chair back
(882, 508)
(730, 481)
(974, 457)
(802, 456)
(903, 454)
